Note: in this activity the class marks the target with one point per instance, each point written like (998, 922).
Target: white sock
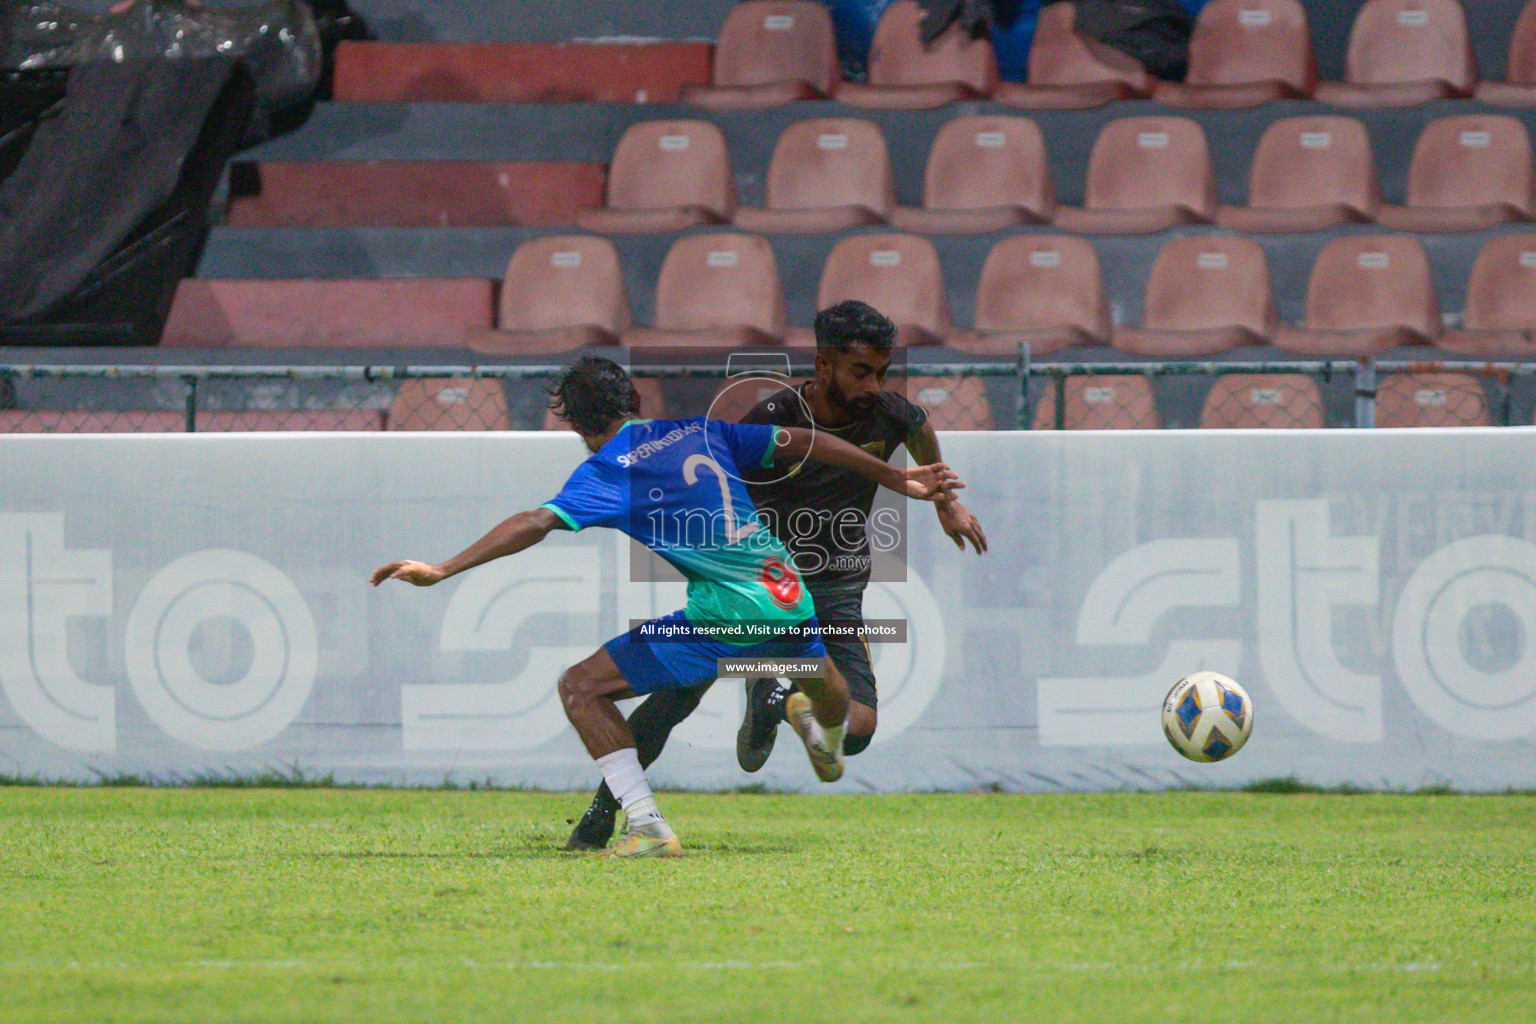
(626, 780)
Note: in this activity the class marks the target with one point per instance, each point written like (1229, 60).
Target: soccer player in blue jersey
(676, 486)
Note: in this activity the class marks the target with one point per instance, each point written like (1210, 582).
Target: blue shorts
(688, 657)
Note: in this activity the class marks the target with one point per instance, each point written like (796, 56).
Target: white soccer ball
(1207, 716)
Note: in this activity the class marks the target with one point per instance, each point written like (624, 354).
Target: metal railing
(1002, 394)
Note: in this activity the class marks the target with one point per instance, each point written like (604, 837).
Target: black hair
(592, 393)
(852, 322)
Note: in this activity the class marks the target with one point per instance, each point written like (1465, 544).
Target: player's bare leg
(588, 690)
(818, 712)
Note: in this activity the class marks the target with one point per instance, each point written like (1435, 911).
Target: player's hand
(930, 483)
(418, 573)
(960, 525)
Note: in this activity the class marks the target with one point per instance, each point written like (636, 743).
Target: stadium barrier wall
(179, 605)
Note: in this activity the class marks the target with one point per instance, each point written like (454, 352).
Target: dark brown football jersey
(821, 512)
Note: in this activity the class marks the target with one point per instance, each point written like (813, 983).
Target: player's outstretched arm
(926, 483)
(508, 537)
(957, 521)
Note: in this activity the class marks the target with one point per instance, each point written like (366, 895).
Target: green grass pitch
(315, 905)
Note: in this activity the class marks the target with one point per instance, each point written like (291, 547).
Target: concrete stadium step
(412, 193)
(345, 313)
(620, 72)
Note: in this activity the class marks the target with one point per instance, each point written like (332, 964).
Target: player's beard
(853, 408)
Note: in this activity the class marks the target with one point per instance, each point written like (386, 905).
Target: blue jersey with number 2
(676, 487)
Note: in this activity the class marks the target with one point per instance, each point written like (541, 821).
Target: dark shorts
(690, 659)
(843, 603)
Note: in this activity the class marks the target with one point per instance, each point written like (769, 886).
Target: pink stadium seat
(770, 53)
(827, 174)
(898, 274)
(1499, 320)
(417, 193)
(69, 421)
(561, 292)
(641, 72)
(1469, 173)
(718, 290)
(653, 403)
(1206, 294)
(1519, 86)
(1308, 173)
(1044, 291)
(666, 176)
(1264, 400)
(735, 398)
(454, 403)
(1244, 53)
(984, 174)
(1368, 293)
(1431, 400)
(291, 419)
(1068, 71)
(343, 313)
(952, 403)
(1093, 402)
(1145, 174)
(1405, 52)
(906, 75)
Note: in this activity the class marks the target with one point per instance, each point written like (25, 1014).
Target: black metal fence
(1000, 395)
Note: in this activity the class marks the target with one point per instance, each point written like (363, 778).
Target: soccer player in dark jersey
(659, 481)
(820, 512)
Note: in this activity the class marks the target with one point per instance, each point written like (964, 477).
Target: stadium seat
(1519, 86)
(341, 313)
(898, 274)
(411, 193)
(561, 292)
(952, 403)
(1099, 402)
(1431, 400)
(1308, 173)
(1206, 294)
(653, 403)
(770, 53)
(290, 420)
(1499, 319)
(1044, 291)
(1145, 174)
(1247, 401)
(1071, 72)
(826, 174)
(1368, 293)
(94, 421)
(735, 398)
(1405, 52)
(906, 75)
(984, 174)
(666, 176)
(450, 403)
(1469, 173)
(1244, 53)
(716, 290)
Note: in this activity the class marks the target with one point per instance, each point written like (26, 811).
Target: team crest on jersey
(783, 583)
